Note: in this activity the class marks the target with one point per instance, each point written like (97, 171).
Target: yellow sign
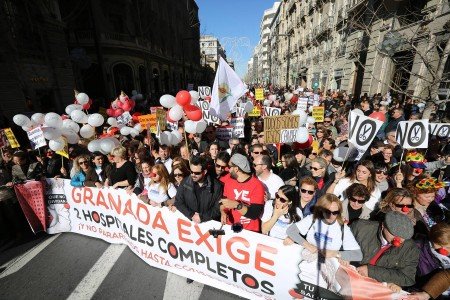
(11, 138)
(64, 152)
(259, 94)
(151, 119)
(274, 124)
(256, 112)
(318, 113)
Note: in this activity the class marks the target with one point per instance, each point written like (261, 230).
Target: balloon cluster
(120, 105)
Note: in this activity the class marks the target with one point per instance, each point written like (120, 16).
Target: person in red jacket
(244, 196)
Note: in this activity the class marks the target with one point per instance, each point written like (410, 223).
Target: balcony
(340, 51)
(355, 50)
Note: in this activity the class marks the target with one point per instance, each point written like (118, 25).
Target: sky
(236, 24)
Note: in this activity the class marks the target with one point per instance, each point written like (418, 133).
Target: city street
(71, 266)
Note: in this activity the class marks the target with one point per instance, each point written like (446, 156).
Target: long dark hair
(291, 193)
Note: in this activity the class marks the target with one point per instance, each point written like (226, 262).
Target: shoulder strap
(342, 237)
(304, 236)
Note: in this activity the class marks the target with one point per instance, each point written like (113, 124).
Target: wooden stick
(400, 162)
(187, 146)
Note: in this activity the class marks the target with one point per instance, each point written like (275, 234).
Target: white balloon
(194, 96)
(176, 113)
(163, 138)
(288, 96)
(190, 126)
(94, 146)
(138, 127)
(112, 121)
(72, 138)
(71, 107)
(272, 97)
(267, 102)
(177, 136)
(310, 120)
(96, 120)
(303, 116)
(200, 126)
(302, 135)
(51, 133)
(168, 101)
(21, 120)
(38, 118)
(53, 120)
(134, 132)
(67, 131)
(310, 109)
(82, 98)
(71, 125)
(248, 107)
(87, 131)
(358, 111)
(79, 116)
(125, 130)
(56, 145)
(106, 145)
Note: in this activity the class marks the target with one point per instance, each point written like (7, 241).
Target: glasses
(328, 212)
(404, 205)
(83, 162)
(196, 173)
(256, 152)
(221, 167)
(307, 191)
(282, 200)
(315, 169)
(381, 172)
(327, 121)
(313, 153)
(357, 200)
(254, 165)
(178, 174)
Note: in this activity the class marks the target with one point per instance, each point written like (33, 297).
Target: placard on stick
(273, 126)
(413, 134)
(259, 94)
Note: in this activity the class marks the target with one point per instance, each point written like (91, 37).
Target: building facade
(100, 47)
(211, 50)
(362, 46)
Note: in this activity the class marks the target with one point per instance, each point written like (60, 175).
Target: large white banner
(247, 264)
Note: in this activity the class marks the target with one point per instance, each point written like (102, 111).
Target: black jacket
(208, 203)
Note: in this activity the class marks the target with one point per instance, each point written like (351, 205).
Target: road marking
(94, 278)
(183, 289)
(18, 263)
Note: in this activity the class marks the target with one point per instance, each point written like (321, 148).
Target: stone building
(363, 46)
(211, 50)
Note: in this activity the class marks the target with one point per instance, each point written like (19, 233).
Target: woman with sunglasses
(381, 176)
(319, 172)
(281, 212)
(179, 172)
(398, 199)
(324, 233)
(308, 199)
(84, 173)
(364, 173)
(161, 192)
(353, 207)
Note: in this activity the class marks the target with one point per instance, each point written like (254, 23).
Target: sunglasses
(314, 154)
(404, 205)
(282, 200)
(178, 174)
(221, 167)
(329, 212)
(196, 173)
(314, 168)
(327, 121)
(356, 200)
(255, 152)
(254, 165)
(307, 191)
(381, 172)
(83, 162)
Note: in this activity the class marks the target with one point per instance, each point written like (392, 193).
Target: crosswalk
(71, 266)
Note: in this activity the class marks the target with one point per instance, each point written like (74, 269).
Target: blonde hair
(323, 202)
(76, 166)
(391, 197)
(119, 151)
(164, 174)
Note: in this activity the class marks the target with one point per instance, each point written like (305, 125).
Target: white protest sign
(124, 118)
(288, 135)
(413, 134)
(272, 111)
(172, 125)
(362, 131)
(238, 127)
(441, 130)
(240, 112)
(210, 119)
(204, 91)
(36, 137)
(302, 104)
(224, 133)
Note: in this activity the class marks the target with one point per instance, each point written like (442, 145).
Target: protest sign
(318, 113)
(224, 133)
(13, 143)
(240, 112)
(441, 130)
(259, 94)
(204, 91)
(273, 126)
(65, 151)
(124, 118)
(159, 117)
(172, 125)
(302, 104)
(271, 111)
(31, 199)
(247, 264)
(153, 109)
(362, 131)
(36, 137)
(413, 134)
(288, 135)
(207, 116)
(238, 127)
(256, 112)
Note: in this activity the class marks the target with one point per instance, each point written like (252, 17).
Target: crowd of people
(387, 214)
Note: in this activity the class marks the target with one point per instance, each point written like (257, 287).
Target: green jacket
(397, 265)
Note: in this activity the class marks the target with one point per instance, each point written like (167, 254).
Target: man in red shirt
(244, 195)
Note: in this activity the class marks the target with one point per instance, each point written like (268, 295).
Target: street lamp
(288, 35)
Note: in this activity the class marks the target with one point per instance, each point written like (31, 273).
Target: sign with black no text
(204, 91)
(362, 131)
(413, 134)
(441, 130)
(271, 111)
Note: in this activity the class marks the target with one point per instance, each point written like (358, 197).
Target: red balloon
(110, 112)
(294, 99)
(118, 112)
(132, 103)
(183, 98)
(135, 117)
(378, 115)
(193, 112)
(305, 145)
(126, 106)
(87, 105)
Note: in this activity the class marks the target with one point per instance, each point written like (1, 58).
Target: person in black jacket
(198, 195)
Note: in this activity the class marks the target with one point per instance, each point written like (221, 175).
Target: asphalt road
(72, 266)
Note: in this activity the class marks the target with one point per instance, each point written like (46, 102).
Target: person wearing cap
(389, 253)
(244, 199)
